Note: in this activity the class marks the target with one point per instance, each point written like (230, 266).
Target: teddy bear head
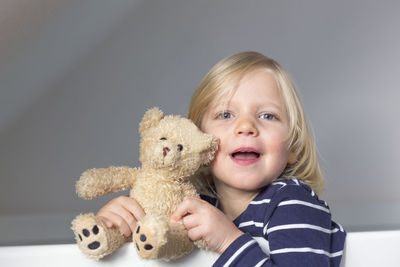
(174, 144)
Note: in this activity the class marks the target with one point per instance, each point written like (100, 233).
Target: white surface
(363, 249)
(70, 256)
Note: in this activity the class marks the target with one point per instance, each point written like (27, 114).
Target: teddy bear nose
(165, 151)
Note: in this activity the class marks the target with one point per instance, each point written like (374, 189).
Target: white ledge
(363, 249)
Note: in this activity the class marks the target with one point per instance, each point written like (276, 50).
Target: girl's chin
(246, 183)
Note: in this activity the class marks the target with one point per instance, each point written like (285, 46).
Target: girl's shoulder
(290, 191)
(282, 185)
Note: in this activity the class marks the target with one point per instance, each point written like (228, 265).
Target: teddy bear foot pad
(86, 233)
(146, 242)
(91, 236)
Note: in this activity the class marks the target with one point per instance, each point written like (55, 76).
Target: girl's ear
(292, 158)
(150, 119)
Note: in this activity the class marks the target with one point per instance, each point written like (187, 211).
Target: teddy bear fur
(172, 149)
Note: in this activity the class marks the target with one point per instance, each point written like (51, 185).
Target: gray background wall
(77, 76)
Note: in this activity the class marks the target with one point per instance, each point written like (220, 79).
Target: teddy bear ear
(211, 147)
(150, 119)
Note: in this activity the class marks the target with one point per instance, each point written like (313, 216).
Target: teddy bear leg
(155, 237)
(94, 239)
(179, 244)
(150, 235)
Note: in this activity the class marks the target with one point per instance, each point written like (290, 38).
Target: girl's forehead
(270, 94)
(222, 100)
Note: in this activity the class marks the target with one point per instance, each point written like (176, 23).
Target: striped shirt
(286, 225)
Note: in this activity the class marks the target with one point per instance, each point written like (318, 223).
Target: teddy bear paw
(146, 241)
(90, 236)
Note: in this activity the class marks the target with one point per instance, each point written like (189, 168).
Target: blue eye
(268, 116)
(224, 115)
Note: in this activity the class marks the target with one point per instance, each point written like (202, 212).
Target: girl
(265, 175)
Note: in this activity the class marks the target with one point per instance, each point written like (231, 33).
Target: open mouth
(245, 155)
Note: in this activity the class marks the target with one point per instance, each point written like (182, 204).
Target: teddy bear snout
(165, 151)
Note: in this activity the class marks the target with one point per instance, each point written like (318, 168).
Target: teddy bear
(172, 149)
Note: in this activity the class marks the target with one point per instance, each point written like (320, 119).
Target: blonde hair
(222, 80)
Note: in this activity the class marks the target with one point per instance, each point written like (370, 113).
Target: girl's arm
(204, 221)
(297, 231)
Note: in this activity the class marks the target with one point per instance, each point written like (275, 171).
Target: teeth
(245, 153)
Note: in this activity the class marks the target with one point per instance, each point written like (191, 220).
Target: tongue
(245, 155)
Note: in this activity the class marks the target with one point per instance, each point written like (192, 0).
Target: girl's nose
(246, 126)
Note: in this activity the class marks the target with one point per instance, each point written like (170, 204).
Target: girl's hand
(122, 212)
(202, 220)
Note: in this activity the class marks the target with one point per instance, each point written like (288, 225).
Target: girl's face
(252, 127)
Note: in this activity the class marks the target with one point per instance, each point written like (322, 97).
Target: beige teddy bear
(172, 148)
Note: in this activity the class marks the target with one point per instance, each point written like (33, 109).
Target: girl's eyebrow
(262, 104)
(218, 106)
(275, 105)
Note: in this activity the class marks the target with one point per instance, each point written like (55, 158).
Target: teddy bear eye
(180, 147)
(163, 138)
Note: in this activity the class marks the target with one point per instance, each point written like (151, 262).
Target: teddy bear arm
(189, 191)
(101, 181)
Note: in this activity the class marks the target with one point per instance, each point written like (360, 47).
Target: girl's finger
(195, 233)
(107, 222)
(117, 221)
(189, 205)
(127, 216)
(190, 221)
(133, 207)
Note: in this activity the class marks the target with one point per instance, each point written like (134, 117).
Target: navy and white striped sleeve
(295, 229)
(244, 251)
(301, 232)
